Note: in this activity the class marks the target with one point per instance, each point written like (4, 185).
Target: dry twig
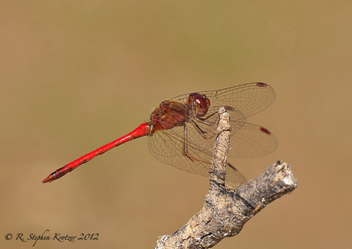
(225, 211)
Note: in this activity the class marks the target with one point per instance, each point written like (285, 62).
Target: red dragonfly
(181, 130)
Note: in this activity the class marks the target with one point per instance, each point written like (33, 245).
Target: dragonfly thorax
(168, 115)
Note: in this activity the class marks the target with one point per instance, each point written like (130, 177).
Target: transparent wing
(249, 98)
(251, 141)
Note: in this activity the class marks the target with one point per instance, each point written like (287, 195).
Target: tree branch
(225, 211)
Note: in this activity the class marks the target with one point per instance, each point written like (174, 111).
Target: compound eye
(201, 104)
(200, 100)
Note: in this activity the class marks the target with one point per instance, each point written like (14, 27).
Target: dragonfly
(181, 131)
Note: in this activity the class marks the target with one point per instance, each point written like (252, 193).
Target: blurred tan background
(78, 74)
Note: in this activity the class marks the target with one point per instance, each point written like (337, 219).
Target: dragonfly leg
(203, 133)
(185, 150)
(203, 120)
(233, 173)
(213, 125)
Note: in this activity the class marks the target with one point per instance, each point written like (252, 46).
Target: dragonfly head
(199, 103)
